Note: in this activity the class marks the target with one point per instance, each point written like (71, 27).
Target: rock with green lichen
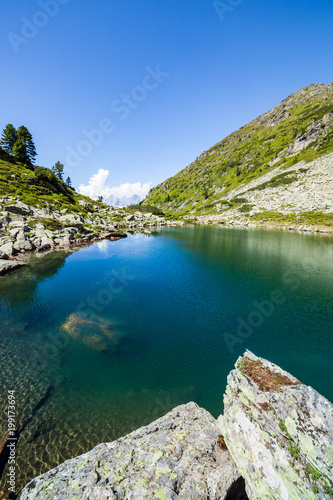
(175, 457)
(277, 434)
(278, 431)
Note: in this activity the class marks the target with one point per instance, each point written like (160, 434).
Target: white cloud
(96, 184)
(97, 187)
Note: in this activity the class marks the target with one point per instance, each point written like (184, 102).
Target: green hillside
(299, 129)
(37, 186)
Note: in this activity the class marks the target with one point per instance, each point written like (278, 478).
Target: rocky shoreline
(274, 441)
(26, 230)
(248, 224)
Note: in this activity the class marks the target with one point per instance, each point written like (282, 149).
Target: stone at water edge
(9, 265)
(260, 425)
(175, 457)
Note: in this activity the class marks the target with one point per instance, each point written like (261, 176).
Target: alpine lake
(100, 341)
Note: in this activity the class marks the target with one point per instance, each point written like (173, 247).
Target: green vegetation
(304, 218)
(58, 170)
(18, 143)
(145, 209)
(310, 471)
(278, 180)
(245, 208)
(39, 187)
(247, 154)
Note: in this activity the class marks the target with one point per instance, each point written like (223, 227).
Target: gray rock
(18, 208)
(4, 220)
(9, 265)
(175, 457)
(63, 242)
(130, 218)
(8, 249)
(23, 244)
(275, 436)
(73, 220)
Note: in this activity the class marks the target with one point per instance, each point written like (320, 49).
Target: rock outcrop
(276, 433)
(177, 456)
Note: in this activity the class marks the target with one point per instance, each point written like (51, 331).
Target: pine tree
(8, 138)
(58, 169)
(24, 135)
(20, 151)
(69, 182)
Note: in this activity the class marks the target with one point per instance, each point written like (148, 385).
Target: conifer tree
(8, 138)
(20, 151)
(69, 182)
(24, 135)
(58, 169)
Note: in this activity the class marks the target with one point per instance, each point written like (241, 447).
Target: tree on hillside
(20, 151)
(58, 169)
(25, 137)
(69, 182)
(8, 138)
(100, 199)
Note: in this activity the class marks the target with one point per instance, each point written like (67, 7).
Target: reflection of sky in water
(103, 246)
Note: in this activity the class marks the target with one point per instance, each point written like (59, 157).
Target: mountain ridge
(298, 131)
(124, 201)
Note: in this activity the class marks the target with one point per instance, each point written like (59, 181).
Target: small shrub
(239, 200)
(245, 208)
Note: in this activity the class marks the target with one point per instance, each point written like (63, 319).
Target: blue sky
(135, 90)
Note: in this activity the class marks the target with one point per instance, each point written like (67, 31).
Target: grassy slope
(19, 181)
(249, 153)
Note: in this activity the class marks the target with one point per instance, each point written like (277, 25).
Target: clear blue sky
(63, 76)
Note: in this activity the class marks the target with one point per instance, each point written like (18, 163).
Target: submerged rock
(97, 333)
(177, 456)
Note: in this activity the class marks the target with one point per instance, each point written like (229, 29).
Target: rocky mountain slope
(278, 167)
(274, 442)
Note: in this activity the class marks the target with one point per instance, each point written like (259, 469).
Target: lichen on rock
(175, 457)
(278, 431)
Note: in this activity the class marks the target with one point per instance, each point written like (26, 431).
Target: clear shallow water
(158, 309)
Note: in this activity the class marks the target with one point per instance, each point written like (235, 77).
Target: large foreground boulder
(179, 456)
(278, 431)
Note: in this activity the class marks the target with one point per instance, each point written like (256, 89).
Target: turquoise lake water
(124, 331)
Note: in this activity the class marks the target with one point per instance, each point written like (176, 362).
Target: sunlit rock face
(177, 456)
(278, 431)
